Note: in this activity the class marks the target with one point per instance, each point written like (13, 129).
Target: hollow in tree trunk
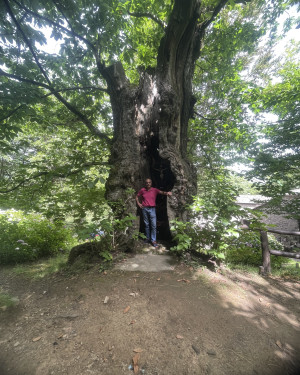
(151, 122)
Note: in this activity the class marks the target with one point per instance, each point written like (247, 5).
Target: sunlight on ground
(265, 302)
(249, 294)
(41, 268)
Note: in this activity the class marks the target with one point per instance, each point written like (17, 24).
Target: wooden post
(266, 258)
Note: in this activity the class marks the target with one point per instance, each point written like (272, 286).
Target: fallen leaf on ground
(179, 337)
(186, 281)
(158, 279)
(126, 310)
(60, 336)
(138, 350)
(135, 361)
(211, 352)
(132, 322)
(106, 299)
(197, 350)
(36, 339)
(278, 343)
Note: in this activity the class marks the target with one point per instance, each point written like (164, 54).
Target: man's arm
(138, 201)
(165, 192)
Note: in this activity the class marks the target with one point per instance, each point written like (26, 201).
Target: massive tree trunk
(151, 122)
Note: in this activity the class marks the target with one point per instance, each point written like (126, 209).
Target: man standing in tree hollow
(148, 195)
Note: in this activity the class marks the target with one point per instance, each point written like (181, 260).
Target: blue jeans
(149, 216)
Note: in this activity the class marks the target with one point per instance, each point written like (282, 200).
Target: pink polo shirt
(148, 196)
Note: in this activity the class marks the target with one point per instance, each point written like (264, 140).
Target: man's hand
(138, 202)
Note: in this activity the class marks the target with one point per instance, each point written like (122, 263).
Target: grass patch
(242, 267)
(288, 269)
(42, 267)
(7, 301)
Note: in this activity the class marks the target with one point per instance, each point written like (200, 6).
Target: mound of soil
(153, 323)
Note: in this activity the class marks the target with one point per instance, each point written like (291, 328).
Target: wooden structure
(266, 251)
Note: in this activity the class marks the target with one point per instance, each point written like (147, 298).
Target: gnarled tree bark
(151, 121)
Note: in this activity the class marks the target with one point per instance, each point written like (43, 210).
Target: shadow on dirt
(178, 322)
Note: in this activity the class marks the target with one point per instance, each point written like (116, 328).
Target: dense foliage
(246, 249)
(277, 159)
(28, 237)
(56, 117)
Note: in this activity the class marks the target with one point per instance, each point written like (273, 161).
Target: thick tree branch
(151, 16)
(242, 1)
(205, 118)
(75, 89)
(52, 174)
(25, 80)
(53, 91)
(26, 40)
(12, 112)
(82, 117)
(216, 11)
(99, 63)
(70, 107)
(56, 3)
(94, 47)
(53, 23)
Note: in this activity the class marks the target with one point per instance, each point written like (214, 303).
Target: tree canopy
(59, 120)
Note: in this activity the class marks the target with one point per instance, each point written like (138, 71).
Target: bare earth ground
(181, 321)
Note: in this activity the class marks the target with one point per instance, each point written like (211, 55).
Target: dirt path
(183, 322)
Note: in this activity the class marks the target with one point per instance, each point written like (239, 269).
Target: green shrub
(246, 249)
(182, 235)
(26, 237)
(191, 237)
(107, 230)
(236, 247)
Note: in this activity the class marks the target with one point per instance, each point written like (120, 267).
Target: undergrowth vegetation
(236, 246)
(27, 237)
(42, 267)
(7, 301)
(32, 237)
(246, 249)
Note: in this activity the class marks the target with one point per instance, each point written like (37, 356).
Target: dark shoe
(155, 244)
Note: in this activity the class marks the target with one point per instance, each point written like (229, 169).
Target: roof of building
(251, 199)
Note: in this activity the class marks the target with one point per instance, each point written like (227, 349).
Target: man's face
(148, 184)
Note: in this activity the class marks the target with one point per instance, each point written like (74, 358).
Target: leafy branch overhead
(161, 80)
(21, 16)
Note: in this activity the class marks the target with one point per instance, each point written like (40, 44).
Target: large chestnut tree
(120, 93)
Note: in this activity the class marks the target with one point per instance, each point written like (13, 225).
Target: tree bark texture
(266, 258)
(151, 122)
